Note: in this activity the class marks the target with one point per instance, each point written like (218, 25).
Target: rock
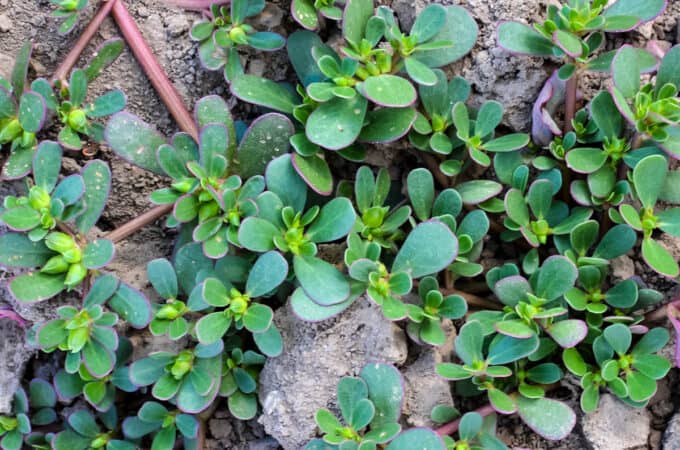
(616, 426)
(14, 354)
(6, 64)
(5, 23)
(316, 355)
(671, 437)
(177, 24)
(622, 267)
(425, 389)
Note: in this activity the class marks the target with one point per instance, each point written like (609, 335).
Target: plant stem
(452, 427)
(82, 42)
(570, 102)
(474, 300)
(196, 5)
(167, 92)
(431, 163)
(138, 223)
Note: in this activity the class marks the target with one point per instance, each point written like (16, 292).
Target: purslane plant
(69, 12)
(226, 32)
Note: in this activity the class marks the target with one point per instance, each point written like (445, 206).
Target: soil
(493, 75)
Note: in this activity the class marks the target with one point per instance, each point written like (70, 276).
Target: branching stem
(138, 223)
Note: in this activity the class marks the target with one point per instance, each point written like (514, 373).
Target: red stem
(167, 92)
(570, 102)
(452, 427)
(196, 5)
(138, 223)
(82, 42)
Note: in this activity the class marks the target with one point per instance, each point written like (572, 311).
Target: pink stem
(11, 315)
(452, 427)
(196, 5)
(167, 92)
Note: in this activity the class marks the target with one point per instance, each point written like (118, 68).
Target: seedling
(239, 381)
(83, 432)
(222, 36)
(69, 11)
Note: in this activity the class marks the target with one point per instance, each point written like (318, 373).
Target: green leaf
(648, 177)
(605, 115)
(501, 402)
(623, 294)
(520, 38)
(428, 249)
(669, 221)
(257, 234)
(258, 318)
(420, 185)
(549, 418)
(41, 394)
(387, 124)
(557, 276)
(477, 191)
(488, 118)
(469, 342)
(105, 55)
(266, 138)
(653, 366)
(21, 218)
(282, 179)
(420, 438)
(98, 359)
(46, 165)
(619, 337)
(335, 221)
(640, 387)
(337, 123)
(163, 278)
(306, 309)
(507, 349)
(264, 92)
(32, 111)
(314, 170)
(626, 71)
(209, 109)
(460, 29)
(539, 198)
(586, 160)
(268, 272)
(243, 406)
(7, 106)
(97, 178)
(131, 305)
(322, 281)
(266, 41)
(653, 341)
(659, 259)
(385, 390)
(568, 333)
(644, 11)
(568, 42)
(355, 18)
(350, 391)
(211, 327)
(98, 253)
(134, 140)
(574, 362)
(36, 286)
(305, 14)
(269, 342)
(507, 143)
(388, 90)
(419, 72)
(107, 104)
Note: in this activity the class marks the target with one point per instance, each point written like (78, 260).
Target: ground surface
(493, 74)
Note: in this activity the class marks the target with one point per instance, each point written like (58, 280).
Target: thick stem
(196, 5)
(138, 223)
(570, 102)
(65, 67)
(474, 300)
(433, 165)
(452, 427)
(167, 92)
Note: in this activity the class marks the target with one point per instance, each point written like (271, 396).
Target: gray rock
(671, 437)
(616, 426)
(14, 354)
(264, 444)
(5, 23)
(177, 24)
(425, 389)
(315, 356)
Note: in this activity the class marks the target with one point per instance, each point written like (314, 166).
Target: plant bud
(438, 123)
(168, 312)
(56, 264)
(60, 242)
(184, 185)
(362, 73)
(68, 5)
(72, 256)
(77, 119)
(373, 217)
(238, 35)
(238, 305)
(75, 275)
(10, 131)
(78, 338)
(39, 198)
(384, 61)
(372, 69)
(100, 441)
(182, 365)
(27, 140)
(208, 210)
